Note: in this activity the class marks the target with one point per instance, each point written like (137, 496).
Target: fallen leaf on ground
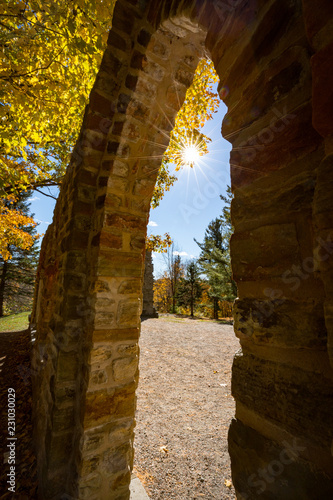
(228, 483)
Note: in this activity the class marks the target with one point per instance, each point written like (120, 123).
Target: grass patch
(14, 322)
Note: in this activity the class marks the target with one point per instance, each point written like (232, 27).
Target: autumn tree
(17, 274)
(190, 287)
(201, 102)
(162, 293)
(51, 52)
(214, 258)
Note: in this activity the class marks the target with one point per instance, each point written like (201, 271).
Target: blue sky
(194, 200)
(186, 210)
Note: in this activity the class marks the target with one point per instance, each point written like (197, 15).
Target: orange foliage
(12, 230)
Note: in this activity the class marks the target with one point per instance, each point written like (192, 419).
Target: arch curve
(88, 298)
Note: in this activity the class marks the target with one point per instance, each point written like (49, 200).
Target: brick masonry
(148, 309)
(273, 59)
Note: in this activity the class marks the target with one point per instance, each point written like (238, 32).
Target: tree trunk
(216, 308)
(2, 287)
(192, 301)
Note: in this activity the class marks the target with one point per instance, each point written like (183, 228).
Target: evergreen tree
(17, 275)
(215, 256)
(189, 288)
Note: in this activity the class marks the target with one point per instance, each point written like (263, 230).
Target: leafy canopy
(51, 52)
(50, 55)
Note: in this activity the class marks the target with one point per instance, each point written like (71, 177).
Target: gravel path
(184, 409)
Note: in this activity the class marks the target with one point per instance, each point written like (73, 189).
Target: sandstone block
(267, 469)
(130, 286)
(128, 349)
(93, 440)
(128, 312)
(280, 322)
(105, 405)
(101, 354)
(98, 377)
(67, 366)
(116, 460)
(269, 250)
(104, 320)
(291, 398)
(121, 432)
(124, 369)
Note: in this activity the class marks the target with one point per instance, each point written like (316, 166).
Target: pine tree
(189, 288)
(215, 256)
(17, 275)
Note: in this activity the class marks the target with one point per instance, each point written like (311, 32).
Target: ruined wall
(272, 58)
(148, 309)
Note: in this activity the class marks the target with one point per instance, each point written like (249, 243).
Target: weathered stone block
(63, 418)
(266, 469)
(128, 349)
(67, 366)
(130, 286)
(105, 405)
(59, 449)
(90, 465)
(116, 460)
(118, 184)
(124, 369)
(128, 312)
(98, 377)
(280, 322)
(90, 488)
(124, 264)
(101, 354)
(122, 480)
(93, 440)
(104, 320)
(124, 221)
(299, 401)
(264, 252)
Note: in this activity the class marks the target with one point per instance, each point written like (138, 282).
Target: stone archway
(88, 299)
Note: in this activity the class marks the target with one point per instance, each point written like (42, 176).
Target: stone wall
(273, 60)
(148, 309)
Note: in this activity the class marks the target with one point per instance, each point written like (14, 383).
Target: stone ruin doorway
(88, 298)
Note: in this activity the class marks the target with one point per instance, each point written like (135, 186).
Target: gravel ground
(184, 409)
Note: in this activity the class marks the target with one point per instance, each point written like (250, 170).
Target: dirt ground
(184, 409)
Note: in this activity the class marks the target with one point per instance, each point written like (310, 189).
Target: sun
(190, 154)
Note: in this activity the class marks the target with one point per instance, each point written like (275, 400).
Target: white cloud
(42, 221)
(181, 254)
(35, 198)
(192, 256)
(152, 223)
